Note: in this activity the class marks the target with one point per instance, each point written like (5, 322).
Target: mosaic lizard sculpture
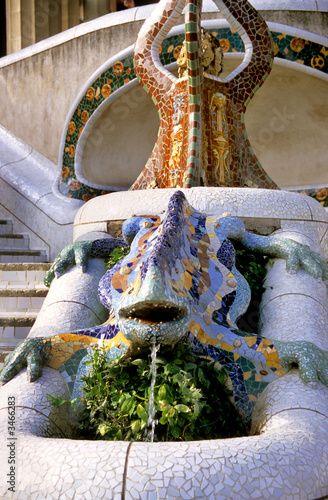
(179, 279)
(202, 138)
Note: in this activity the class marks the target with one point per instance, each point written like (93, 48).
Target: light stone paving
(287, 460)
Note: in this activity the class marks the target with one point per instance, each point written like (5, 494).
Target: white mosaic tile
(237, 201)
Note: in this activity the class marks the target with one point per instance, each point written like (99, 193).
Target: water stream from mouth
(151, 424)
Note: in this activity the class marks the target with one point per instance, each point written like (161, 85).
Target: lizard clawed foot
(32, 352)
(311, 360)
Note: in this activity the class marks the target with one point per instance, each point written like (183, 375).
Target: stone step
(4, 352)
(22, 275)
(22, 291)
(11, 336)
(16, 241)
(14, 328)
(25, 299)
(6, 226)
(22, 256)
(25, 266)
(17, 302)
(19, 319)
(40, 291)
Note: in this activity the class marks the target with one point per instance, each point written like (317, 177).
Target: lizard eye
(125, 270)
(132, 226)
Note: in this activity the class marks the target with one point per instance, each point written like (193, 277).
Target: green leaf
(89, 362)
(196, 408)
(139, 397)
(175, 431)
(126, 406)
(141, 412)
(117, 394)
(116, 255)
(178, 378)
(102, 429)
(166, 410)
(132, 408)
(104, 403)
(138, 362)
(171, 412)
(189, 367)
(182, 408)
(135, 426)
(58, 401)
(201, 375)
(172, 368)
(162, 392)
(171, 421)
(161, 361)
(185, 391)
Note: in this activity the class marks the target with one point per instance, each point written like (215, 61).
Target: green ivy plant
(191, 399)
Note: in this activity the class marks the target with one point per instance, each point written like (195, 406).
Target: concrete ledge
(240, 202)
(25, 266)
(17, 319)
(23, 292)
(142, 13)
(27, 199)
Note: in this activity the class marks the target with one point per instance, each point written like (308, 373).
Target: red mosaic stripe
(193, 42)
(152, 76)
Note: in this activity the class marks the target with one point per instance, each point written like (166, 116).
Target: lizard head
(170, 276)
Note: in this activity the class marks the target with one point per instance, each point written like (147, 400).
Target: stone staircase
(21, 286)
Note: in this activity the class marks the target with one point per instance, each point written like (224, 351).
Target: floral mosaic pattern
(111, 80)
(286, 47)
(301, 51)
(319, 194)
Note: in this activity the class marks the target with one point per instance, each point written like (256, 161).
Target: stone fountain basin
(287, 458)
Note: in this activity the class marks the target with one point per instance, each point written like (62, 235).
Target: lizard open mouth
(154, 321)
